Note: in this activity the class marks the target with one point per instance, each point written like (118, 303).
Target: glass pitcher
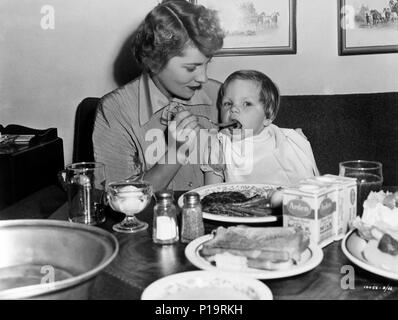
(84, 183)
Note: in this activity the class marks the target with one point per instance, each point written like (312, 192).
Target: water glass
(84, 183)
(369, 175)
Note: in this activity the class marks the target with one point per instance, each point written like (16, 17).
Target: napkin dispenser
(17, 134)
(30, 164)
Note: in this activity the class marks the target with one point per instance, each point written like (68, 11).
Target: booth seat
(347, 127)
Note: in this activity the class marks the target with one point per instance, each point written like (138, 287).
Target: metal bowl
(50, 259)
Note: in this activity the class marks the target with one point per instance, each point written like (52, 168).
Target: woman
(174, 45)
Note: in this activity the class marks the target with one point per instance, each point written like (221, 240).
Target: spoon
(218, 124)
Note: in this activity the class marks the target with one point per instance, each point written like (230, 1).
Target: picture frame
(367, 27)
(256, 27)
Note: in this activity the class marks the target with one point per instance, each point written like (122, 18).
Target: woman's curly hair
(172, 26)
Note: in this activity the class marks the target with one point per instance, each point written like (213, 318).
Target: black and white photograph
(154, 152)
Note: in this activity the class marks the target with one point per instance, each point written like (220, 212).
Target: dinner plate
(353, 246)
(248, 189)
(310, 258)
(206, 285)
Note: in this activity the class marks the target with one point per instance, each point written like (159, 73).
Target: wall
(44, 74)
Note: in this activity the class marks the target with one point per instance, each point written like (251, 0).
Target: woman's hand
(183, 135)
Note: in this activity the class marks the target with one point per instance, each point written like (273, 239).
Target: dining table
(140, 262)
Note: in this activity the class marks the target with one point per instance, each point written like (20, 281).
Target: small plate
(310, 258)
(353, 246)
(248, 189)
(206, 285)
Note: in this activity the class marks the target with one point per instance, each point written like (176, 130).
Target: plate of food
(206, 285)
(240, 202)
(373, 243)
(261, 253)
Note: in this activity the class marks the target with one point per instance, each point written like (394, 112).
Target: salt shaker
(165, 227)
(192, 219)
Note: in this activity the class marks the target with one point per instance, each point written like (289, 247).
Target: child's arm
(211, 178)
(212, 161)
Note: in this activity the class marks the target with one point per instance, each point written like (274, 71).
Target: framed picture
(367, 26)
(256, 27)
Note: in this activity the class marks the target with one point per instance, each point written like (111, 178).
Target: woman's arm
(120, 156)
(183, 128)
(160, 175)
(112, 142)
(114, 146)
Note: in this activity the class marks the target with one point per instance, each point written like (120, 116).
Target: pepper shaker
(165, 227)
(192, 218)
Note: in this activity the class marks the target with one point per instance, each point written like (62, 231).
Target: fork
(218, 124)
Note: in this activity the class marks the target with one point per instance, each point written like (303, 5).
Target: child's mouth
(236, 125)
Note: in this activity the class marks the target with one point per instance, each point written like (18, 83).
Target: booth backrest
(347, 127)
(84, 125)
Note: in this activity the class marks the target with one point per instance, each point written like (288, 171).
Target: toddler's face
(241, 102)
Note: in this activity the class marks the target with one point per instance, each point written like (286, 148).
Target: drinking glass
(369, 177)
(84, 183)
(129, 197)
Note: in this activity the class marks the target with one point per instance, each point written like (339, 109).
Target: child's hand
(214, 154)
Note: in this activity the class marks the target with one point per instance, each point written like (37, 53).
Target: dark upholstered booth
(339, 127)
(84, 125)
(347, 127)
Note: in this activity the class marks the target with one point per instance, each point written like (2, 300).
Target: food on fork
(379, 227)
(271, 248)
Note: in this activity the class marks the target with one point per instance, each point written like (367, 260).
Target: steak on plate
(223, 197)
(233, 203)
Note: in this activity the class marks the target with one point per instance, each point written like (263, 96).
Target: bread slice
(260, 246)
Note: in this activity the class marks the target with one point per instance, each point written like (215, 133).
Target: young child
(255, 150)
